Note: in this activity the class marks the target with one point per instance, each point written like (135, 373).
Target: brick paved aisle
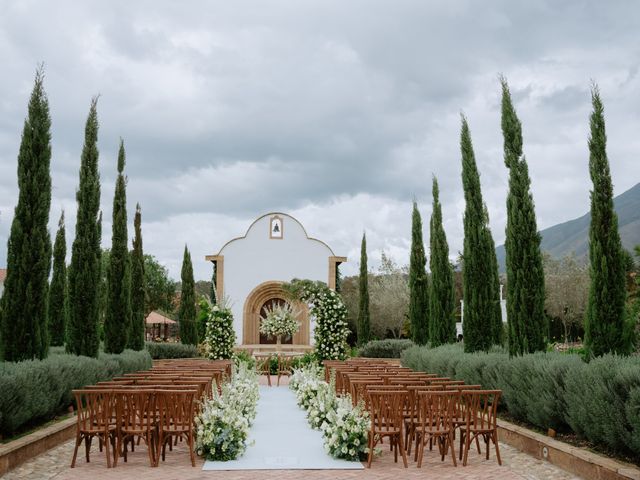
(55, 465)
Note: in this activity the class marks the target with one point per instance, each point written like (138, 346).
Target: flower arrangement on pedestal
(220, 337)
(223, 424)
(280, 322)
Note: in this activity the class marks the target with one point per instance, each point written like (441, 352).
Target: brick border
(18, 451)
(578, 461)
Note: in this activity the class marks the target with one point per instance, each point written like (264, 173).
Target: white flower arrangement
(223, 424)
(280, 321)
(345, 428)
(220, 337)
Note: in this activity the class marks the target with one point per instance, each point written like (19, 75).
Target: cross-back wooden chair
(137, 418)
(411, 418)
(176, 409)
(435, 415)
(359, 388)
(481, 421)
(386, 409)
(96, 417)
(284, 366)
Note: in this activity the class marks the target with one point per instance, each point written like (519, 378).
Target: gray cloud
(337, 112)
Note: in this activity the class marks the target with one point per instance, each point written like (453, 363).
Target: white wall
(256, 258)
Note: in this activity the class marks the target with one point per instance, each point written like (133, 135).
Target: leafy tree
(482, 325)
(23, 329)
(605, 326)
(525, 274)
(418, 283)
(58, 289)
(160, 288)
(136, 338)
(389, 293)
(363, 312)
(442, 322)
(84, 271)
(117, 322)
(187, 312)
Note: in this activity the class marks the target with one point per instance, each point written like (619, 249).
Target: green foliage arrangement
(599, 400)
(23, 310)
(160, 350)
(220, 337)
(36, 390)
(330, 314)
(390, 348)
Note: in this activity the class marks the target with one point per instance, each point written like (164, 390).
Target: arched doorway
(265, 295)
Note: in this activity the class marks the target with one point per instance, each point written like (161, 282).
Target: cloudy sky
(337, 112)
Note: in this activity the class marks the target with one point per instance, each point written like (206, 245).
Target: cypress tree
(363, 312)
(605, 329)
(117, 319)
(24, 303)
(58, 290)
(84, 271)
(136, 338)
(525, 275)
(418, 283)
(482, 322)
(187, 311)
(442, 322)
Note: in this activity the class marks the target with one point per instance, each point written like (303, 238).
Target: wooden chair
(264, 366)
(385, 408)
(481, 420)
(435, 423)
(284, 366)
(96, 418)
(176, 409)
(137, 418)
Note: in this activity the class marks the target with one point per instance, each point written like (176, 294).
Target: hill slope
(573, 236)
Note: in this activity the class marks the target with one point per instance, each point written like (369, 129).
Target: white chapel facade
(251, 269)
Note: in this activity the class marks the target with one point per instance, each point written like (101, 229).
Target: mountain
(573, 236)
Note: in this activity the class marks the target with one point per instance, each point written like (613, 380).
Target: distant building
(3, 276)
(251, 269)
(503, 309)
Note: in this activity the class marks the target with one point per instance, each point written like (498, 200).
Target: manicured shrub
(159, 350)
(390, 348)
(600, 400)
(36, 390)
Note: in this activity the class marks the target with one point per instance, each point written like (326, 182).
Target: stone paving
(54, 464)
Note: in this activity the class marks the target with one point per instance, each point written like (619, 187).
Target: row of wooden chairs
(410, 408)
(156, 406)
(284, 368)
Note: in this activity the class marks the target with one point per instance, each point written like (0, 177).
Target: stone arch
(251, 313)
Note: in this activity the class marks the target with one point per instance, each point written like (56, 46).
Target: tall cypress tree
(136, 338)
(525, 275)
(187, 311)
(24, 303)
(605, 329)
(364, 329)
(442, 322)
(482, 321)
(418, 282)
(84, 271)
(58, 290)
(117, 321)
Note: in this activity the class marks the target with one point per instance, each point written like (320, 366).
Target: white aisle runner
(283, 439)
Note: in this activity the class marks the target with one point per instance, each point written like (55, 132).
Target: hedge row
(36, 390)
(390, 348)
(600, 400)
(159, 350)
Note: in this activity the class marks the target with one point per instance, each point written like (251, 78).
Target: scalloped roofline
(275, 213)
